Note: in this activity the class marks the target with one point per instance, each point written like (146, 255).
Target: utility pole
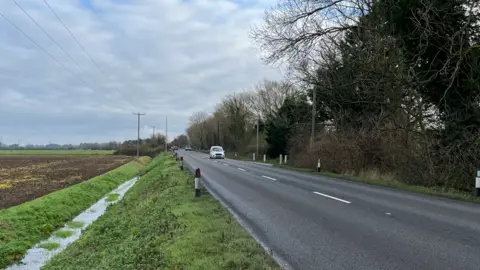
(153, 131)
(166, 133)
(258, 122)
(314, 114)
(218, 131)
(138, 132)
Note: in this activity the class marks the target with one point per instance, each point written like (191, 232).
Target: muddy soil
(24, 178)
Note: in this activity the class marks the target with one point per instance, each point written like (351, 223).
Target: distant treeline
(156, 141)
(83, 146)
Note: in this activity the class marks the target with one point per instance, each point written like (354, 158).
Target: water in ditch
(36, 256)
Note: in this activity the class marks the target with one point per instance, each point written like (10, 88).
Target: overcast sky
(159, 57)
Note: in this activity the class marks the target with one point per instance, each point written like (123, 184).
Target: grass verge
(75, 224)
(112, 197)
(49, 245)
(374, 178)
(159, 224)
(24, 225)
(63, 233)
(258, 159)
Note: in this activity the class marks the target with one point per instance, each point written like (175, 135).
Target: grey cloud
(169, 57)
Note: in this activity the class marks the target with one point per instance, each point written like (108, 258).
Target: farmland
(40, 152)
(26, 175)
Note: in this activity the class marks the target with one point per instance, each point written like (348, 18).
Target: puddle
(36, 257)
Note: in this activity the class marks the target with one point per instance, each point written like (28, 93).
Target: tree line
(389, 86)
(233, 124)
(112, 145)
(151, 146)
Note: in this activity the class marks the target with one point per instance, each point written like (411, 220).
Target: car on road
(217, 152)
(188, 148)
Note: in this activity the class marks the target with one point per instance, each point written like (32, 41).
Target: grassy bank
(160, 225)
(24, 225)
(53, 152)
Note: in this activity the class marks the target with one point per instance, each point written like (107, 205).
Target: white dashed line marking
(241, 169)
(225, 164)
(331, 197)
(269, 178)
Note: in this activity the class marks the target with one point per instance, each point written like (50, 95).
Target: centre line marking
(241, 169)
(331, 197)
(270, 178)
(225, 164)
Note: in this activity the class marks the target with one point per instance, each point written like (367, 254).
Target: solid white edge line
(270, 178)
(331, 197)
(241, 169)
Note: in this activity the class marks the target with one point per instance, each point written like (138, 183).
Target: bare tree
(298, 29)
(267, 97)
(197, 129)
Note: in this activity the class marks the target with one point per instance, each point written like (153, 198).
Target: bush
(145, 150)
(408, 157)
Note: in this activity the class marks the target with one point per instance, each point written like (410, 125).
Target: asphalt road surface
(316, 222)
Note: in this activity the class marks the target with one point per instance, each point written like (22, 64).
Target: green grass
(75, 224)
(373, 178)
(159, 224)
(24, 225)
(250, 158)
(53, 152)
(63, 233)
(238, 157)
(49, 245)
(112, 197)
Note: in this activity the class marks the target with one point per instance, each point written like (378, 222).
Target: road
(316, 222)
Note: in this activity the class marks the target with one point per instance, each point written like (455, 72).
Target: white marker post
(197, 182)
(253, 156)
(477, 184)
(285, 162)
(264, 158)
(280, 159)
(318, 165)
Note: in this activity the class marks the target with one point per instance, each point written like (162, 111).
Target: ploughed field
(24, 178)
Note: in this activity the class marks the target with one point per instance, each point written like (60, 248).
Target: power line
(48, 35)
(73, 36)
(58, 45)
(42, 49)
(81, 46)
